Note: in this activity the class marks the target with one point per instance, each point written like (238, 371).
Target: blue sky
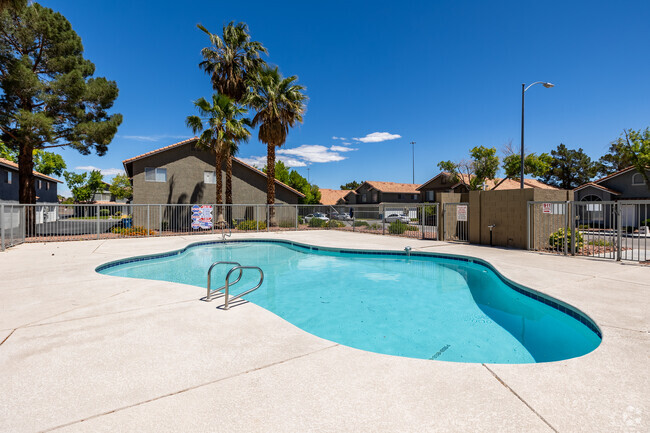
(445, 74)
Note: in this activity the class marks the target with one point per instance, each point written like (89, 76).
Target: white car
(343, 217)
(396, 217)
(317, 215)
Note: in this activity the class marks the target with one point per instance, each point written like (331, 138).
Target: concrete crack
(519, 397)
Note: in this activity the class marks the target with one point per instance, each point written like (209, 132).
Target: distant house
(442, 182)
(333, 197)
(375, 192)
(106, 197)
(45, 188)
(182, 173)
(627, 184)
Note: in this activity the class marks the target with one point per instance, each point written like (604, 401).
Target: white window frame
(213, 180)
(158, 174)
(9, 177)
(640, 177)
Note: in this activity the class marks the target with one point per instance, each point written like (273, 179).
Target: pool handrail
(208, 297)
(227, 286)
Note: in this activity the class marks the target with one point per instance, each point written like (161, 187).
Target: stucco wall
(623, 184)
(185, 185)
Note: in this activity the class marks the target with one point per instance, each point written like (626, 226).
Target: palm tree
(239, 136)
(224, 126)
(232, 59)
(280, 104)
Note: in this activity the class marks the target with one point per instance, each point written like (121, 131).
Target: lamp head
(548, 85)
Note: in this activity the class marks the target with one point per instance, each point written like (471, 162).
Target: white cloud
(338, 138)
(260, 161)
(377, 137)
(341, 149)
(104, 171)
(312, 153)
(346, 142)
(152, 138)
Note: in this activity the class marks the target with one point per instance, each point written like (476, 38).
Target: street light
(523, 90)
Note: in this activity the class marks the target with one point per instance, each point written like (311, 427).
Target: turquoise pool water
(419, 306)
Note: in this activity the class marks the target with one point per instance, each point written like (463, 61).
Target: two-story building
(375, 192)
(45, 188)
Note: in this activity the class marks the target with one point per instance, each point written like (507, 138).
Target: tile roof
(496, 183)
(409, 188)
(595, 185)
(616, 173)
(189, 140)
(332, 196)
(12, 164)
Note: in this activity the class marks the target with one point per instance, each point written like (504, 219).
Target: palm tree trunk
(217, 170)
(229, 187)
(270, 181)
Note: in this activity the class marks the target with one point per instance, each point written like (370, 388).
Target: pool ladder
(226, 287)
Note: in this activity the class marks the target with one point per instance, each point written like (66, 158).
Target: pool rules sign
(201, 217)
(461, 212)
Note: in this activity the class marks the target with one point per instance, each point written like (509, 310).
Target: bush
(104, 212)
(646, 222)
(336, 224)
(287, 224)
(360, 223)
(251, 225)
(117, 214)
(600, 243)
(583, 227)
(301, 220)
(132, 231)
(164, 225)
(317, 222)
(557, 239)
(398, 227)
(375, 226)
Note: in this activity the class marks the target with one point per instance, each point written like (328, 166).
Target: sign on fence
(461, 213)
(201, 217)
(547, 207)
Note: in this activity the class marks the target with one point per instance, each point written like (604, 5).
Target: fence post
(296, 217)
(268, 216)
(528, 225)
(566, 228)
(2, 227)
(383, 219)
(619, 229)
(148, 222)
(574, 229)
(354, 219)
(97, 216)
(422, 221)
(160, 220)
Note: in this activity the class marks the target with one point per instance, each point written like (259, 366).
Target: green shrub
(583, 227)
(301, 220)
(287, 224)
(600, 243)
(317, 222)
(557, 239)
(117, 214)
(375, 226)
(251, 225)
(132, 231)
(360, 223)
(104, 212)
(336, 224)
(398, 227)
(646, 222)
(164, 225)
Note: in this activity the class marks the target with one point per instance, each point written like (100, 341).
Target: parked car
(317, 215)
(343, 217)
(396, 217)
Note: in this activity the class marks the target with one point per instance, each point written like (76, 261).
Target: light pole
(413, 151)
(523, 91)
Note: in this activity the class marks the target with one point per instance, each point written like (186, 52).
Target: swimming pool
(428, 306)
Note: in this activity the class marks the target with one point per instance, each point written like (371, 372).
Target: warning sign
(201, 217)
(547, 207)
(461, 212)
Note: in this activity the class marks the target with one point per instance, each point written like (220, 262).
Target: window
(374, 197)
(363, 198)
(47, 186)
(155, 174)
(209, 177)
(430, 195)
(40, 184)
(399, 196)
(9, 179)
(415, 196)
(637, 179)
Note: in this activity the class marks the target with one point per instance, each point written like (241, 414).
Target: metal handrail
(207, 297)
(227, 286)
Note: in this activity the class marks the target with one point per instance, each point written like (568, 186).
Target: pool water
(419, 307)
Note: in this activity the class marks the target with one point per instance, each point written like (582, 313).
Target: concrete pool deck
(88, 352)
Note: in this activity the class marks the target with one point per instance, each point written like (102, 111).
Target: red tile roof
(189, 140)
(332, 196)
(12, 164)
(496, 183)
(409, 188)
